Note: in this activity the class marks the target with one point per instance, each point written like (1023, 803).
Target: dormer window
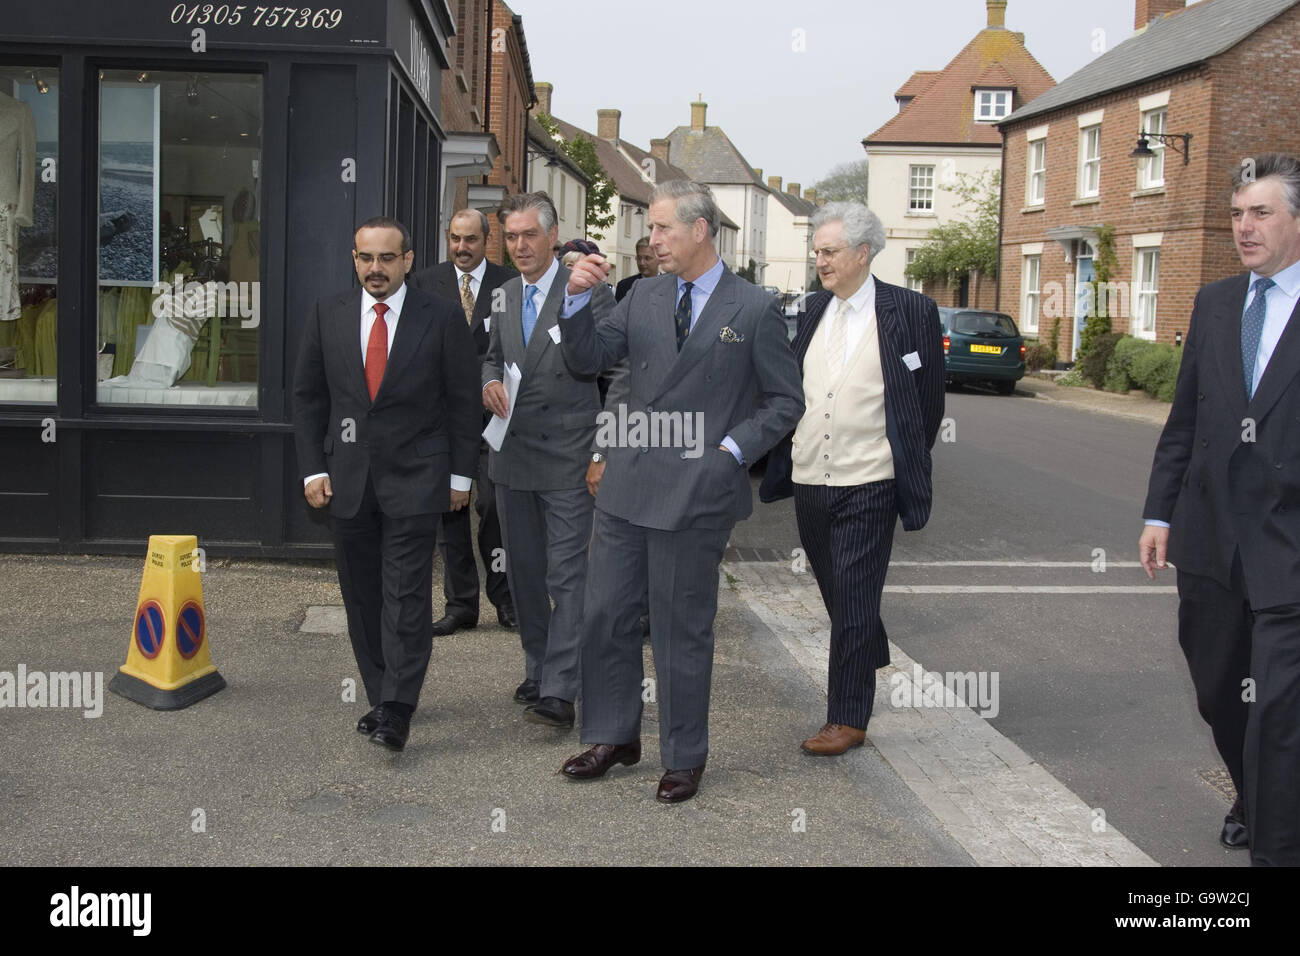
(992, 105)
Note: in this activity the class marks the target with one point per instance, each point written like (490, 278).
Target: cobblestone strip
(996, 801)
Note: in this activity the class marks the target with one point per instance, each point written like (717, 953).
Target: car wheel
(1006, 388)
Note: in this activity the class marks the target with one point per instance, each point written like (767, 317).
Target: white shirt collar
(544, 283)
(394, 302)
(476, 273)
(1288, 280)
(858, 301)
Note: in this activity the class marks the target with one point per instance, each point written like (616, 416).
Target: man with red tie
(386, 422)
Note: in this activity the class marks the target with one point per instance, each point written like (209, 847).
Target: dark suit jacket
(744, 385)
(441, 281)
(906, 322)
(1218, 489)
(424, 423)
(624, 286)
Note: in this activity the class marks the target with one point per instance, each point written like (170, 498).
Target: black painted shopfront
(188, 180)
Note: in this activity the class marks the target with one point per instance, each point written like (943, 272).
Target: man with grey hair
(469, 279)
(1223, 504)
(860, 457)
(706, 348)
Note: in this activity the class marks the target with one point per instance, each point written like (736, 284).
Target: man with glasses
(386, 424)
(871, 355)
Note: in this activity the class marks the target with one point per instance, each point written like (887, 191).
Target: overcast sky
(792, 114)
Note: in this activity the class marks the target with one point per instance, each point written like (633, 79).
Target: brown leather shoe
(678, 785)
(593, 763)
(833, 739)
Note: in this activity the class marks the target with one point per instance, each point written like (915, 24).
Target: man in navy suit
(386, 424)
(871, 356)
(1223, 504)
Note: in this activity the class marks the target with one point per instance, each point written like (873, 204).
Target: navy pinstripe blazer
(906, 322)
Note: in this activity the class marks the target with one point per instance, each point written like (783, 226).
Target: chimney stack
(758, 173)
(1147, 10)
(697, 115)
(774, 183)
(793, 189)
(810, 194)
(543, 98)
(997, 14)
(607, 124)
(659, 150)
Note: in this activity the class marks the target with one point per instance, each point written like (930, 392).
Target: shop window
(29, 148)
(180, 300)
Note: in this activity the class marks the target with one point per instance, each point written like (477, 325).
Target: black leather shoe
(529, 691)
(678, 785)
(507, 618)
(367, 724)
(551, 711)
(392, 731)
(1234, 834)
(593, 763)
(451, 624)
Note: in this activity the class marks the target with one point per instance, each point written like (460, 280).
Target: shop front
(179, 183)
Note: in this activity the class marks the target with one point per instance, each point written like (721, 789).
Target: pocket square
(730, 336)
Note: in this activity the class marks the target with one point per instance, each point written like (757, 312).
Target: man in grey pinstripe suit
(873, 385)
(706, 347)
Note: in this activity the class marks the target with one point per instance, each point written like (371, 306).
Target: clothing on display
(17, 194)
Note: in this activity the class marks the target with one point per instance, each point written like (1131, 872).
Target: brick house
(1227, 72)
(946, 125)
(634, 172)
(511, 95)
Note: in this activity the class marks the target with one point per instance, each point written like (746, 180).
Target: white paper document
(495, 433)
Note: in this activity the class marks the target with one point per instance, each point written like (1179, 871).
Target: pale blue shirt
(701, 290)
(1279, 305)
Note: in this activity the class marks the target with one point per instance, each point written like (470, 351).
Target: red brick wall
(509, 102)
(1242, 102)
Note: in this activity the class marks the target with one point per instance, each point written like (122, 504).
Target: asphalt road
(1092, 683)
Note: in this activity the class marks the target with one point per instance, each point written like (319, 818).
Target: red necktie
(377, 351)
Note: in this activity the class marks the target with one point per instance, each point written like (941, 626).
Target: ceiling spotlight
(142, 77)
(192, 91)
(41, 85)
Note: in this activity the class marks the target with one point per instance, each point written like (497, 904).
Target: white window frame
(916, 285)
(1146, 292)
(998, 103)
(1090, 161)
(1031, 293)
(1036, 173)
(1151, 170)
(920, 190)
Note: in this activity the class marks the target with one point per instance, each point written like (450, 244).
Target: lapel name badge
(912, 361)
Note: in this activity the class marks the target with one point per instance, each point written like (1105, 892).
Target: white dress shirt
(475, 278)
(859, 318)
(391, 318)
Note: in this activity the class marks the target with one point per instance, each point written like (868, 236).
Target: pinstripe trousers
(847, 533)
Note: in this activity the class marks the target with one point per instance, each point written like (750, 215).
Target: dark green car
(982, 346)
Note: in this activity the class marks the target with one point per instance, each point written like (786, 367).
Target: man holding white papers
(540, 470)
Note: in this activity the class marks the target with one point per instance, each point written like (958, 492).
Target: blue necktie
(530, 313)
(683, 315)
(1252, 327)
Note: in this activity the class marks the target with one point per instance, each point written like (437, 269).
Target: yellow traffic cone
(168, 666)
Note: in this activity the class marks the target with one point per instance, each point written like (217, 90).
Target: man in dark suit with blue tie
(1223, 504)
(386, 424)
(871, 356)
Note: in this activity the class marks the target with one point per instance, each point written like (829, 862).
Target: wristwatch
(597, 458)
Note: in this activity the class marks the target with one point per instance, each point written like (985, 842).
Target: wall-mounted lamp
(41, 85)
(1169, 139)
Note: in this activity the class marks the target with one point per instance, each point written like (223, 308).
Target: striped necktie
(837, 338)
(1252, 329)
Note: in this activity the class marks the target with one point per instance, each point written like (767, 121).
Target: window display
(179, 240)
(28, 309)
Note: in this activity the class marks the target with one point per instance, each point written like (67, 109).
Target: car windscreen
(984, 324)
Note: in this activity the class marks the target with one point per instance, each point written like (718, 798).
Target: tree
(600, 193)
(747, 273)
(956, 249)
(846, 182)
(1104, 264)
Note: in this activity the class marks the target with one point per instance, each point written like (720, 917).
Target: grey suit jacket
(744, 384)
(548, 446)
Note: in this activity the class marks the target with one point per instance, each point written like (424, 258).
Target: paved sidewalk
(1135, 406)
(271, 771)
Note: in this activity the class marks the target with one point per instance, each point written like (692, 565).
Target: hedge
(1137, 363)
